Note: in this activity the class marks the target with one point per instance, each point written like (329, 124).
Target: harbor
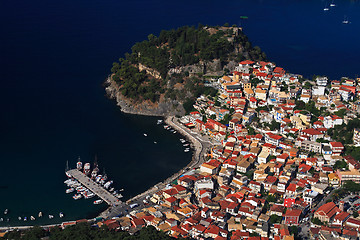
(93, 187)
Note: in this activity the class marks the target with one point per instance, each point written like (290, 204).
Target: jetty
(94, 187)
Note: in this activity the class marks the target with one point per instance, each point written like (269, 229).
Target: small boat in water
(79, 164)
(51, 216)
(40, 214)
(6, 211)
(332, 4)
(77, 196)
(187, 150)
(98, 201)
(32, 218)
(61, 215)
(1, 219)
(19, 218)
(159, 121)
(346, 20)
(25, 219)
(70, 190)
(145, 134)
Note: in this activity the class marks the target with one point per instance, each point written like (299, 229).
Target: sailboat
(67, 169)
(332, 4)
(346, 20)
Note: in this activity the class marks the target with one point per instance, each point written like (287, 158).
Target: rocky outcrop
(165, 107)
(150, 71)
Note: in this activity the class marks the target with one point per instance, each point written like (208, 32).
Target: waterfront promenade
(200, 144)
(94, 187)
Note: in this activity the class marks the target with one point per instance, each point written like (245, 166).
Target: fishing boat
(70, 190)
(51, 216)
(61, 215)
(79, 164)
(95, 171)
(99, 201)
(32, 218)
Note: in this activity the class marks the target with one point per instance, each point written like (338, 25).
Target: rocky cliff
(164, 107)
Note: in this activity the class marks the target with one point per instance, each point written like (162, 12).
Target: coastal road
(199, 143)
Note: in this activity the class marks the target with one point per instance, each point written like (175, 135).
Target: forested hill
(158, 68)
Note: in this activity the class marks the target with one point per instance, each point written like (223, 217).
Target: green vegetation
(344, 133)
(346, 188)
(275, 219)
(317, 221)
(175, 48)
(84, 231)
(340, 165)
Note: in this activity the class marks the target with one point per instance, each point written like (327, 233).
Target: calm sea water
(54, 56)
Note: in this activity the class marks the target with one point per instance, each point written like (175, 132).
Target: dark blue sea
(55, 55)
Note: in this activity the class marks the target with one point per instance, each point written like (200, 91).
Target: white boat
(174, 132)
(326, 9)
(51, 216)
(1, 219)
(32, 218)
(19, 218)
(121, 190)
(159, 121)
(87, 168)
(77, 196)
(346, 20)
(61, 215)
(155, 142)
(186, 144)
(119, 195)
(70, 190)
(145, 134)
(332, 4)
(40, 214)
(25, 219)
(98, 201)
(79, 164)
(6, 211)
(182, 140)
(187, 150)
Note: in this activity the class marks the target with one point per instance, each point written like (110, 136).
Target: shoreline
(200, 147)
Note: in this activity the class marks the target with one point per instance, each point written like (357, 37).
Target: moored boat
(79, 164)
(51, 216)
(87, 169)
(40, 214)
(77, 196)
(32, 218)
(70, 190)
(61, 215)
(98, 201)
(6, 211)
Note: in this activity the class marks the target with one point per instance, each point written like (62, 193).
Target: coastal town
(277, 166)
(272, 160)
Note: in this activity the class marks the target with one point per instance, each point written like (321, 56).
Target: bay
(55, 55)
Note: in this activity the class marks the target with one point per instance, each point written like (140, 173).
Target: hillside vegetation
(174, 49)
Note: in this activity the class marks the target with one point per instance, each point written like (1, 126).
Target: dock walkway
(94, 187)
